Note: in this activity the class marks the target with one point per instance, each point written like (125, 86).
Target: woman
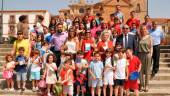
(21, 42)
(145, 51)
(94, 28)
(105, 43)
(72, 43)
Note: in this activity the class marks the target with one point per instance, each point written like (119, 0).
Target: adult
(126, 39)
(147, 22)
(94, 28)
(52, 23)
(21, 42)
(157, 34)
(23, 26)
(57, 41)
(145, 52)
(119, 14)
(134, 66)
(72, 43)
(104, 44)
(133, 19)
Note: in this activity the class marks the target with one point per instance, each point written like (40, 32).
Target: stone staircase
(4, 49)
(159, 85)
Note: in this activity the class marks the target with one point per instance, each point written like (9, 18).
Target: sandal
(146, 89)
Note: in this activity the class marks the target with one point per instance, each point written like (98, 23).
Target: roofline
(24, 11)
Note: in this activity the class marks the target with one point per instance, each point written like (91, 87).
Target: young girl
(35, 69)
(49, 73)
(39, 43)
(66, 77)
(108, 72)
(8, 71)
(121, 72)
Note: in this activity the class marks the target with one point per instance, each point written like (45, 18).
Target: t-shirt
(96, 68)
(65, 74)
(81, 63)
(120, 72)
(134, 64)
(22, 43)
(21, 67)
(10, 64)
(35, 67)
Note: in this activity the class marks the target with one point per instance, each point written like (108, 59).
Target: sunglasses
(125, 28)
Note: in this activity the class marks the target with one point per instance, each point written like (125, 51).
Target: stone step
(4, 53)
(164, 50)
(155, 84)
(18, 93)
(6, 45)
(162, 76)
(2, 58)
(5, 49)
(164, 59)
(1, 63)
(165, 47)
(164, 70)
(163, 55)
(165, 64)
(160, 91)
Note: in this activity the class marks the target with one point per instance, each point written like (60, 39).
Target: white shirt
(108, 71)
(120, 72)
(124, 39)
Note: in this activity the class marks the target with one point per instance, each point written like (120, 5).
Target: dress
(51, 75)
(145, 57)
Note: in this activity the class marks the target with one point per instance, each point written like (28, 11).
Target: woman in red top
(134, 65)
(105, 43)
(87, 46)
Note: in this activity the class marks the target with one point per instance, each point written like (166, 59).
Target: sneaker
(33, 89)
(12, 89)
(36, 88)
(49, 94)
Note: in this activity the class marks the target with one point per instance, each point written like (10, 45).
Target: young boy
(121, 72)
(96, 71)
(21, 71)
(108, 72)
(66, 78)
(81, 68)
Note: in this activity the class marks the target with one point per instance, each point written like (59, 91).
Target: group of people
(85, 54)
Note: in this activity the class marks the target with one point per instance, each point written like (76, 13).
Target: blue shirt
(157, 35)
(96, 68)
(21, 68)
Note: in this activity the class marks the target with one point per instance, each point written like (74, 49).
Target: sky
(157, 8)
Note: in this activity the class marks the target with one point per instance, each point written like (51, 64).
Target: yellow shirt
(22, 43)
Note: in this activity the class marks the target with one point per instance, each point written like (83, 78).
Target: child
(8, 71)
(66, 77)
(81, 68)
(39, 43)
(49, 73)
(108, 72)
(35, 69)
(96, 71)
(121, 72)
(20, 67)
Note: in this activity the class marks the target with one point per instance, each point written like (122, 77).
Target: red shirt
(133, 20)
(87, 48)
(134, 64)
(64, 74)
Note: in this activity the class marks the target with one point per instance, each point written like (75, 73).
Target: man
(133, 19)
(126, 39)
(147, 22)
(157, 35)
(57, 41)
(119, 14)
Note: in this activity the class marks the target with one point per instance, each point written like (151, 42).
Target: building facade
(11, 18)
(107, 7)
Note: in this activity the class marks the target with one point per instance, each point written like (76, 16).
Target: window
(12, 19)
(138, 9)
(81, 10)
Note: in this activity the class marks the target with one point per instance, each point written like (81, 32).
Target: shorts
(68, 89)
(119, 82)
(108, 80)
(21, 76)
(97, 83)
(35, 76)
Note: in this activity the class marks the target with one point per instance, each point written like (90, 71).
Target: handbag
(134, 75)
(42, 84)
